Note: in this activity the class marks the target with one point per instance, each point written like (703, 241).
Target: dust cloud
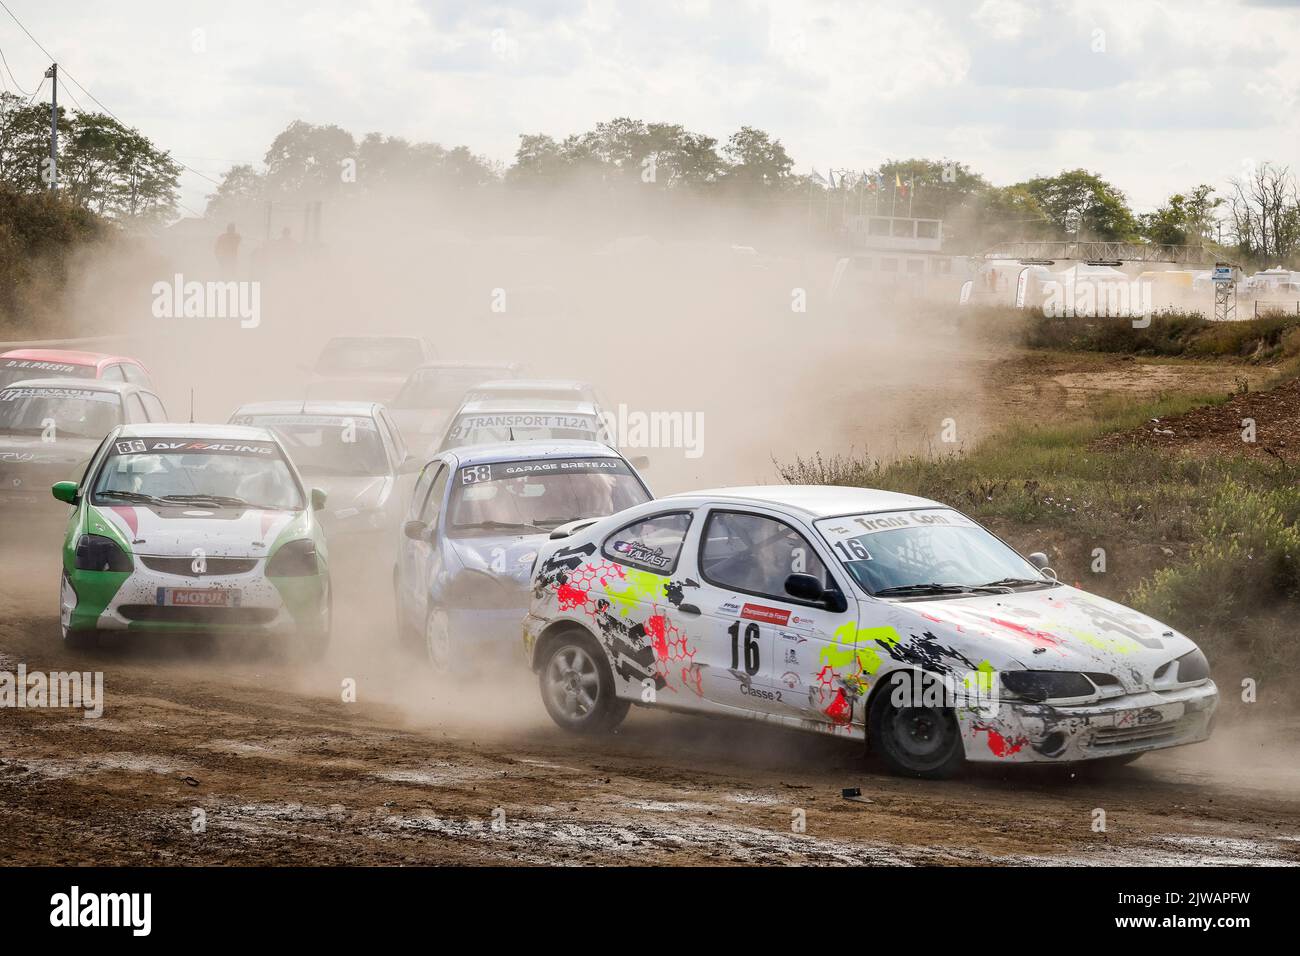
(717, 313)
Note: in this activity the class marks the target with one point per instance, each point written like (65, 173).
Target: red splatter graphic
(657, 629)
(840, 711)
(1001, 747)
(1040, 638)
(570, 597)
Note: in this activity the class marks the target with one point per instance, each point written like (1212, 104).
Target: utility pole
(52, 74)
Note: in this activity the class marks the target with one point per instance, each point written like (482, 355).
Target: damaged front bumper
(1022, 732)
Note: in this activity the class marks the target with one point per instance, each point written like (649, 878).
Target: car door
(423, 554)
(764, 646)
(656, 640)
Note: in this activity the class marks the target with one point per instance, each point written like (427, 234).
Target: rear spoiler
(564, 530)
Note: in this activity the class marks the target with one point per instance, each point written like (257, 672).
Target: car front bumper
(1012, 731)
(273, 606)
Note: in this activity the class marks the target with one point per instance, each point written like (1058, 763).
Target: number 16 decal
(751, 647)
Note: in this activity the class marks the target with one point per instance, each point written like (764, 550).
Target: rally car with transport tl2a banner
(864, 614)
(476, 520)
(194, 528)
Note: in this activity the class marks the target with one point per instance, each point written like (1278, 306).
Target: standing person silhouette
(227, 249)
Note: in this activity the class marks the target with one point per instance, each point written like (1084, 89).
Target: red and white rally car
(17, 365)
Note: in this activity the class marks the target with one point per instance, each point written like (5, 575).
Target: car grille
(185, 566)
(229, 616)
(1105, 737)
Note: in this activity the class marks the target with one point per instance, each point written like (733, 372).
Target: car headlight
(1047, 685)
(95, 552)
(1192, 666)
(295, 559)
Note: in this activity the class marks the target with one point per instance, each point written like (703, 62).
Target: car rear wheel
(578, 687)
(409, 638)
(313, 641)
(915, 741)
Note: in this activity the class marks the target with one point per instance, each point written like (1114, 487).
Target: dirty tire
(311, 643)
(915, 741)
(409, 638)
(80, 640)
(578, 686)
(438, 648)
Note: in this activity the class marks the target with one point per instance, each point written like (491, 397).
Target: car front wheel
(578, 687)
(915, 741)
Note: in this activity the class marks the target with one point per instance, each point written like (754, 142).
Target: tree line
(117, 173)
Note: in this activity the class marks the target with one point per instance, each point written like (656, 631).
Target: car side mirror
(640, 462)
(415, 530)
(318, 499)
(1039, 560)
(65, 491)
(808, 587)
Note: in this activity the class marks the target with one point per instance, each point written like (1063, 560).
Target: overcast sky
(1155, 96)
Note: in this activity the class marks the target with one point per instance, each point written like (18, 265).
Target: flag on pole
(900, 185)
(818, 178)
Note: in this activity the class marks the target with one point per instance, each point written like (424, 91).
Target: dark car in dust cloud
(367, 367)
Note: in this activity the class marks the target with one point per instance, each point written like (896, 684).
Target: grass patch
(1206, 544)
(1270, 339)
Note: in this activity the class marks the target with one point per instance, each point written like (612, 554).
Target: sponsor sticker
(198, 597)
(767, 615)
(638, 553)
(189, 446)
(854, 526)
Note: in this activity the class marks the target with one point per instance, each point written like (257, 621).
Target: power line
(91, 96)
(12, 78)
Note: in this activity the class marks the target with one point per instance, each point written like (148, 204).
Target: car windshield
(370, 355)
(190, 472)
(68, 412)
(916, 550)
(539, 495)
(15, 370)
(441, 387)
(341, 446)
(486, 429)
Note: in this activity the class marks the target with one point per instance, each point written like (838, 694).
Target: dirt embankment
(1265, 424)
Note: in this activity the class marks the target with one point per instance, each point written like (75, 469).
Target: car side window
(755, 554)
(399, 445)
(653, 544)
(153, 407)
(135, 409)
(433, 503)
(134, 374)
(421, 488)
(113, 373)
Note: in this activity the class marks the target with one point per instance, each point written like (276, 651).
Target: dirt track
(287, 773)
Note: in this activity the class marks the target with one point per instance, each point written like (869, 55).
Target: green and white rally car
(193, 528)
